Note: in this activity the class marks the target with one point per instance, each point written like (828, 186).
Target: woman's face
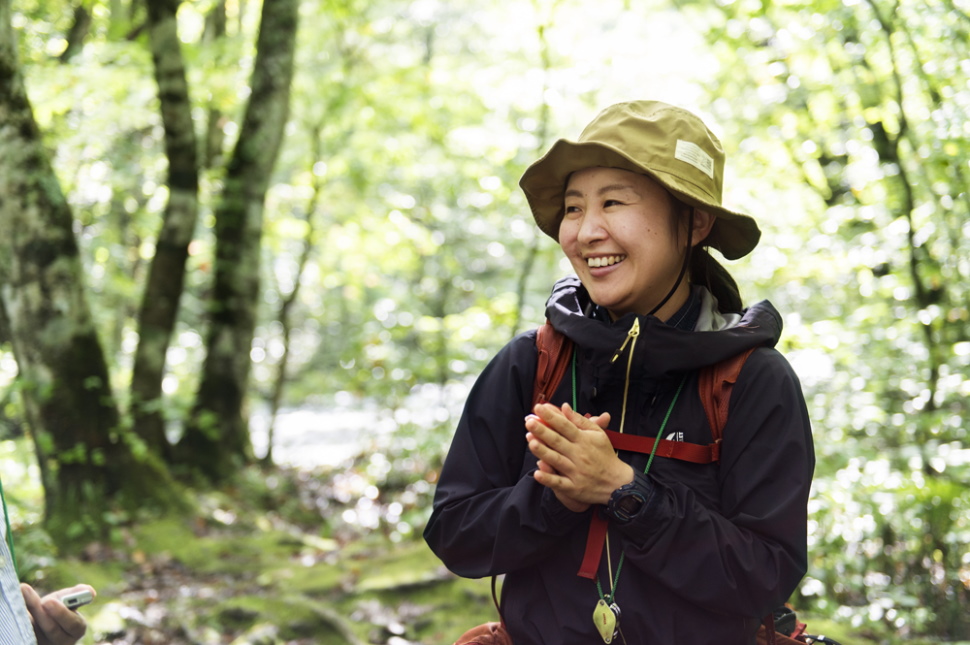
(618, 233)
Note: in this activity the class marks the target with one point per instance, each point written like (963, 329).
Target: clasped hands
(576, 460)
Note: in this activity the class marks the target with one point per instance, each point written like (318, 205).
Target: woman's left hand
(576, 459)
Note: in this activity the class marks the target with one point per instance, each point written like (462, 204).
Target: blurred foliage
(864, 105)
(847, 136)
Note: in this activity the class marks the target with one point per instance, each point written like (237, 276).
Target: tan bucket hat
(667, 143)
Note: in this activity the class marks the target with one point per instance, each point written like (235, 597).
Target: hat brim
(734, 234)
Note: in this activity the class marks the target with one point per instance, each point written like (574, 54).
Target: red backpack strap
(554, 350)
(714, 384)
(695, 453)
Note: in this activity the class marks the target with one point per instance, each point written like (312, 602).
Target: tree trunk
(214, 32)
(78, 33)
(216, 439)
(166, 276)
(88, 461)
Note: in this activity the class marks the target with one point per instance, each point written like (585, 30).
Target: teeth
(609, 260)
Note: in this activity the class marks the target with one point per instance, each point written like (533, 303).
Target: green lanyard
(619, 567)
(6, 519)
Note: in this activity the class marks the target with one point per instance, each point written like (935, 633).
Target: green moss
(409, 564)
(453, 605)
(318, 579)
(292, 615)
(234, 550)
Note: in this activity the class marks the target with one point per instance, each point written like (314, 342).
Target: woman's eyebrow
(572, 192)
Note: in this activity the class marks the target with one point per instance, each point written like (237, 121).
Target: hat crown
(664, 142)
(662, 139)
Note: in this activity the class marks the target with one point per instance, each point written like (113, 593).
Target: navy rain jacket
(717, 546)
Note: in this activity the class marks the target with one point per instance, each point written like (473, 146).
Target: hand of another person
(54, 624)
(576, 459)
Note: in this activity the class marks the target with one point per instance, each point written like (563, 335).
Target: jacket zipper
(631, 338)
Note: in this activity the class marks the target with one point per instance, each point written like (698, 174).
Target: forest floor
(242, 572)
(251, 567)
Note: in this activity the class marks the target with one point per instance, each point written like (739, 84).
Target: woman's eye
(611, 202)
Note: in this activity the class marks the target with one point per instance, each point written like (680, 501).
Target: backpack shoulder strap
(714, 384)
(554, 351)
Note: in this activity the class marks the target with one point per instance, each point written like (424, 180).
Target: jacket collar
(662, 350)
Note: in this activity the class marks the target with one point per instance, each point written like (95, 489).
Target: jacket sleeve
(747, 556)
(489, 515)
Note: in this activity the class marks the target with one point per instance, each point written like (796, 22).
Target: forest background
(252, 257)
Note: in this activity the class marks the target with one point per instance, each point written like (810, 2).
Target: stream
(328, 435)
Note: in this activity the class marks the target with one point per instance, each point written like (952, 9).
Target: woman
(694, 554)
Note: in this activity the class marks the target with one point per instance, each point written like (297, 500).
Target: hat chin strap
(683, 268)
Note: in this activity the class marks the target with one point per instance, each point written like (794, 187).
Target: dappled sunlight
(397, 255)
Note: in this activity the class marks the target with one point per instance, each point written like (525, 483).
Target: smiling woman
(705, 547)
(622, 233)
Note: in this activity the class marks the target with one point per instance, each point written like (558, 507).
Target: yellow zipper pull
(631, 337)
(633, 333)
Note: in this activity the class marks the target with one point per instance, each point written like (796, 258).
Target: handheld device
(77, 599)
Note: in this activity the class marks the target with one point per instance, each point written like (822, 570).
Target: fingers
(544, 442)
(566, 421)
(575, 456)
(559, 428)
(600, 422)
(562, 486)
(552, 460)
(554, 418)
(561, 437)
(54, 623)
(32, 600)
(583, 422)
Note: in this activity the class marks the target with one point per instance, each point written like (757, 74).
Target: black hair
(708, 272)
(703, 269)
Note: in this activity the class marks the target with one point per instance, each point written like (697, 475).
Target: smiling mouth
(605, 261)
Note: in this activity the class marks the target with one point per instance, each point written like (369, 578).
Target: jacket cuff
(557, 518)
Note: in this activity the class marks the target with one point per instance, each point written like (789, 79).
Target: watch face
(629, 504)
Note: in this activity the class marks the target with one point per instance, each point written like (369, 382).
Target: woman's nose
(591, 228)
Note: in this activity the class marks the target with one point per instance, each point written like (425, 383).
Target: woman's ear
(703, 223)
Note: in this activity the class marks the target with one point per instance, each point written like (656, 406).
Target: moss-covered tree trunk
(216, 439)
(166, 276)
(89, 463)
(214, 138)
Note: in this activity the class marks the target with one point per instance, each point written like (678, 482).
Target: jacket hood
(662, 350)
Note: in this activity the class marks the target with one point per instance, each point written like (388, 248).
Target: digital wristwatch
(626, 502)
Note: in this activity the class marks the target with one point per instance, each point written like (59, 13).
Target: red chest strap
(681, 450)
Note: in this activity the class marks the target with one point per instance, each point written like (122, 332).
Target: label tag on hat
(694, 155)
